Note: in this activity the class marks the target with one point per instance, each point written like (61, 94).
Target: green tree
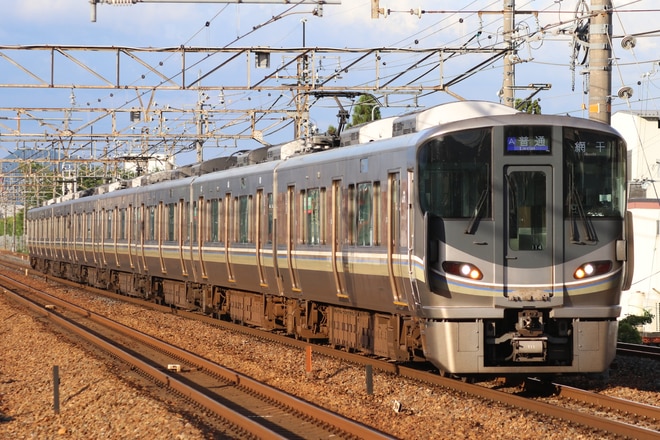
(89, 177)
(366, 107)
(628, 331)
(527, 106)
(39, 183)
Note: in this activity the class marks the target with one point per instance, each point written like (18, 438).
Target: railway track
(649, 351)
(629, 418)
(250, 408)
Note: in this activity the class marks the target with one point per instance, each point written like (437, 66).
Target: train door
(116, 219)
(228, 217)
(106, 224)
(62, 236)
(84, 234)
(94, 238)
(183, 235)
(259, 242)
(73, 243)
(394, 257)
(78, 245)
(200, 213)
(291, 236)
(141, 237)
(69, 234)
(336, 216)
(160, 213)
(529, 228)
(129, 222)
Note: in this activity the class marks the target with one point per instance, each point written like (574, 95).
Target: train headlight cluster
(461, 269)
(592, 269)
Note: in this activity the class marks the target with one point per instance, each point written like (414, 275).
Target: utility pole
(302, 124)
(600, 56)
(508, 85)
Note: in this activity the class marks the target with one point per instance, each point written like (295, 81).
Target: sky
(545, 52)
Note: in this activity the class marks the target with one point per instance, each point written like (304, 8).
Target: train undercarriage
(391, 336)
(530, 340)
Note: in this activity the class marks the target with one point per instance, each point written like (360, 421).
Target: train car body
(485, 240)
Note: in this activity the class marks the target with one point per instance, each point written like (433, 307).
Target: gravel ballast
(94, 403)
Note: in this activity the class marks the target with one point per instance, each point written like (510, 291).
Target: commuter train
(485, 240)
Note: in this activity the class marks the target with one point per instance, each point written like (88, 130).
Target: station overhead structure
(133, 110)
(181, 105)
(319, 3)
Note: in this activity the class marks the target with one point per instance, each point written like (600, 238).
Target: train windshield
(594, 174)
(454, 174)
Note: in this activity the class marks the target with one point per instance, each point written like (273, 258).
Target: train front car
(525, 243)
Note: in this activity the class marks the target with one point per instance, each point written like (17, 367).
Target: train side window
(100, 224)
(138, 228)
(290, 213)
(214, 212)
(244, 223)
(195, 220)
(312, 216)
(365, 217)
(108, 216)
(302, 234)
(171, 218)
(151, 226)
(269, 201)
(228, 219)
(94, 235)
(88, 226)
(351, 213)
(122, 224)
(79, 226)
(184, 219)
(376, 214)
(323, 216)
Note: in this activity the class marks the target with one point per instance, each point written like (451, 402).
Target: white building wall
(642, 134)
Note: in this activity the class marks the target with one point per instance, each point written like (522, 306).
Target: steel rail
(346, 425)
(569, 415)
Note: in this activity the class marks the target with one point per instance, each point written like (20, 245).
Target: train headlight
(466, 270)
(591, 269)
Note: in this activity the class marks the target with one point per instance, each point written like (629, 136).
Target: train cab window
(454, 174)
(594, 174)
(365, 217)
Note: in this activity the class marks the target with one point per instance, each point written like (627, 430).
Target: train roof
(358, 136)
